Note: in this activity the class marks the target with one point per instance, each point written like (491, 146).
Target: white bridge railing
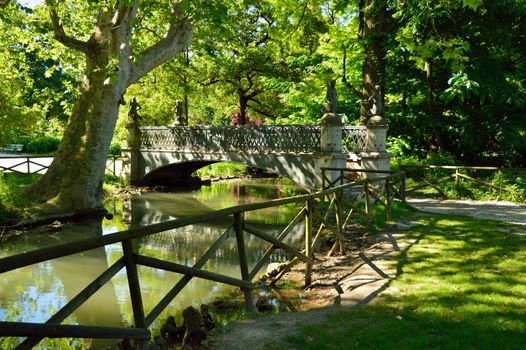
(249, 138)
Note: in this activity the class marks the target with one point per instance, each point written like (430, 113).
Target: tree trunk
(438, 140)
(373, 15)
(243, 105)
(73, 182)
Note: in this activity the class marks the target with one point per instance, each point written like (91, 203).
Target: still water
(34, 293)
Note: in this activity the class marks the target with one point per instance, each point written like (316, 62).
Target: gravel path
(502, 211)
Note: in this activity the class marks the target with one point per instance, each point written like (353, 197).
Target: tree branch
(60, 34)
(353, 90)
(177, 38)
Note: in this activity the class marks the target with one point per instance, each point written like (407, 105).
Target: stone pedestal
(331, 133)
(130, 154)
(376, 156)
(331, 148)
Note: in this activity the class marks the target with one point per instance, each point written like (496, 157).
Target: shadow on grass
(461, 286)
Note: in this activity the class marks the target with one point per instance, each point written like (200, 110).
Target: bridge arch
(171, 167)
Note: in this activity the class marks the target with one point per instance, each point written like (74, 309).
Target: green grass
(462, 286)
(11, 200)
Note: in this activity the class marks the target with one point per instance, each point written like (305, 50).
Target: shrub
(115, 149)
(39, 144)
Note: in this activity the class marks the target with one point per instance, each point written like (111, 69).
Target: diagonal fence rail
(437, 177)
(40, 164)
(354, 197)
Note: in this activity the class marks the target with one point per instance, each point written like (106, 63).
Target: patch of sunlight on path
(503, 211)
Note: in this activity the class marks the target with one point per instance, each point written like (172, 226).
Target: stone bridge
(167, 155)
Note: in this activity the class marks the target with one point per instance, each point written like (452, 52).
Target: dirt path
(502, 211)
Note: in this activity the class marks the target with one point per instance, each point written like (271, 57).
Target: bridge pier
(131, 154)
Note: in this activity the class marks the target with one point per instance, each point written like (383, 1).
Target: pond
(34, 293)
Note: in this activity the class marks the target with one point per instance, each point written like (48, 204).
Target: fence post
(243, 264)
(308, 240)
(366, 191)
(339, 221)
(28, 166)
(389, 200)
(135, 289)
(457, 182)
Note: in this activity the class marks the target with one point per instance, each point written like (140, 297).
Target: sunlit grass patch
(463, 286)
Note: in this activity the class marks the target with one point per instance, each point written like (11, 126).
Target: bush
(115, 149)
(39, 144)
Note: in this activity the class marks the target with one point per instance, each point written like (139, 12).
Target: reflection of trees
(77, 271)
(35, 293)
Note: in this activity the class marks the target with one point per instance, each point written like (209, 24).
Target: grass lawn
(462, 286)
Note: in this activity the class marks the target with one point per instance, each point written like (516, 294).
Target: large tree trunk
(243, 106)
(73, 183)
(373, 15)
(437, 142)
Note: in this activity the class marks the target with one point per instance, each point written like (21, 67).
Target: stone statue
(178, 113)
(376, 103)
(133, 113)
(331, 97)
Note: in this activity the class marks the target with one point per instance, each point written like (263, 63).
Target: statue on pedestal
(133, 113)
(178, 114)
(376, 106)
(331, 97)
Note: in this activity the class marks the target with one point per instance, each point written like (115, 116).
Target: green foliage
(465, 58)
(222, 169)
(115, 149)
(39, 144)
(459, 286)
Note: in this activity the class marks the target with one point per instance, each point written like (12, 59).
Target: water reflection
(34, 293)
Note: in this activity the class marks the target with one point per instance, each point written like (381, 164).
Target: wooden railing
(457, 174)
(344, 202)
(25, 164)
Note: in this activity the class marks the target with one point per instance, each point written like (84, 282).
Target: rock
(264, 304)
(274, 268)
(194, 334)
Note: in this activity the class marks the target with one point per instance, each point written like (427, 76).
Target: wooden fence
(344, 202)
(456, 174)
(40, 164)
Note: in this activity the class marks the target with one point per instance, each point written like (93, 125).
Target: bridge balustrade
(247, 138)
(354, 139)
